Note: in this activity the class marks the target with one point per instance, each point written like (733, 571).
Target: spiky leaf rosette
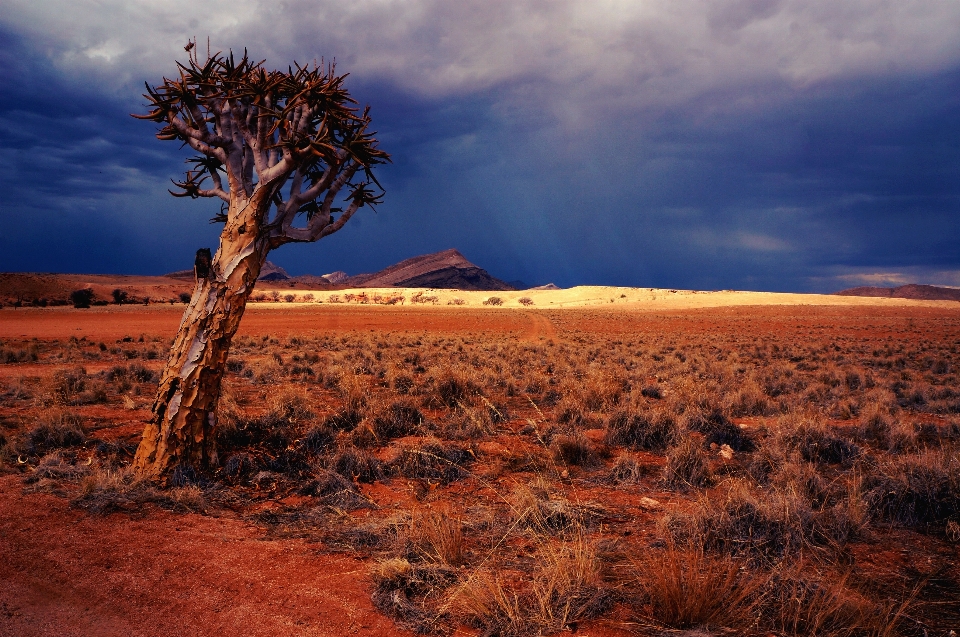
(295, 136)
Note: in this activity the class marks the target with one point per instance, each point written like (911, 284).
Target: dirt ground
(67, 573)
(64, 571)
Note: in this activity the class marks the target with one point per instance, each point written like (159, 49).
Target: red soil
(105, 323)
(65, 572)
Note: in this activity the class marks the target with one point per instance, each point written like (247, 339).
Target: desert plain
(605, 461)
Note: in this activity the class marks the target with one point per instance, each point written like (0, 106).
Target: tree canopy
(262, 130)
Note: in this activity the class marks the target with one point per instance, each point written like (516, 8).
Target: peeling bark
(183, 427)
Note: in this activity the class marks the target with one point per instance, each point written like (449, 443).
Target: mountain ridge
(914, 291)
(444, 269)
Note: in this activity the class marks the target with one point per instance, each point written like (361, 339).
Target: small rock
(649, 504)
(726, 452)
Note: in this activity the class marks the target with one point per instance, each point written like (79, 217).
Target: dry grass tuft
(566, 588)
(686, 588)
(436, 536)
(687, 466)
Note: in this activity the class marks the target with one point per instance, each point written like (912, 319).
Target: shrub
(119, 296)
(56, 429)
(452, 390)
(240, 467)
(400, 587)
(30, 354)
(81, 298)
(652, 431)
(140, 374)
(355, 464)
(437, 537)
(525, 301)
(402, 384)
(651, 391)
(717, 429)
(536, 508)
(916, 490)
(573, 450)
(772, 523)
(687, 466)
(343, 420)
(420, 297)
(567, 588)
(880, 428)
(52, 467)
(626, 470)
(493, 300)
(66, 384)
(811, 437)
(801, 601)
(397, 420)
(431, 460)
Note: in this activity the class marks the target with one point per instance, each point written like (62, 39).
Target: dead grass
(485, 475)
(686, 588)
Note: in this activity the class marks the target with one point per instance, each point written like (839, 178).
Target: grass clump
(687, 466)
(650, 431)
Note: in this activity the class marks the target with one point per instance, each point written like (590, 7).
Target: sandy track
(541, 327)
(65, 573)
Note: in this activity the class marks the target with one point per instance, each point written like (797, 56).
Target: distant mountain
(912, 291)
(269, 272)
(336, 277)
(447, 269)
(272, 272)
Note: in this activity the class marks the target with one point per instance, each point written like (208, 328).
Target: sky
(788, 145)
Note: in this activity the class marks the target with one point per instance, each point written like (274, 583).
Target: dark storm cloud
(82, 186)
(767, 144)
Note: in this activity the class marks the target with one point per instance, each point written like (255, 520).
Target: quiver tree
(279, 149)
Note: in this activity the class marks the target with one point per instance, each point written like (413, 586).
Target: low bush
(718, 429)
(432, 461)
(574, 450)
(55, 429)
(354, 464)
(916, 490)
(687, 466)
(397, 420)
(650, 431)
(82, 298)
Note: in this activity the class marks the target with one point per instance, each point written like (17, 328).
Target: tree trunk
(182, 430)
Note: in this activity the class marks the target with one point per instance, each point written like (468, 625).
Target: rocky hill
(269, 272)
(912, 291)
(447, 269)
